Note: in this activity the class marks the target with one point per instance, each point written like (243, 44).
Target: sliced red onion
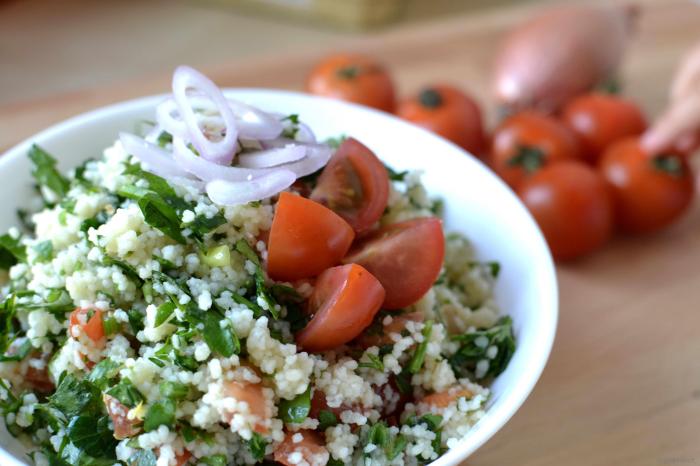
(228, 193)
(305, 134)
(157, 160)
(166, 119)
(254, 123)
(222, 151)
(272, 157)
(316, 158)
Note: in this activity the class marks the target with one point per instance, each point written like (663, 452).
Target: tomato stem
(529, 158)
(430, 98)
(668, 163)
(349, 72)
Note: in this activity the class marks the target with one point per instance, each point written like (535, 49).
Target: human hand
(678, 128)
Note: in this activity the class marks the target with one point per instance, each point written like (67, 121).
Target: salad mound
(250, 299)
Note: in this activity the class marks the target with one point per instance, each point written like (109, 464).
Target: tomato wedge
(305, 239)
(90, 321)
(406, 258)
(354, 185)
(310, 446)
(344, 302)
(443, 399)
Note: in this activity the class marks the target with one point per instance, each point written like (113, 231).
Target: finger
(687, 79)
(688, 143)
(682, 117)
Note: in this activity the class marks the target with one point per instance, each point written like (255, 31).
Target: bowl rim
(510, 403)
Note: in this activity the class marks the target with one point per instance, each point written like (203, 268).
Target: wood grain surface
(623, 383)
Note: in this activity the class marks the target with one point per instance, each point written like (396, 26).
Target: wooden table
(623, 383)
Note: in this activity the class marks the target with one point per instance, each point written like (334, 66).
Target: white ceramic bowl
(477, 204)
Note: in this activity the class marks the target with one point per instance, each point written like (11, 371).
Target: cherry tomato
(118, 413)
(406, 258)
(354, 185)
(528, 141)
(649, 193)
(305, 239)
(343, 303)
(182, 458)
(601, 119)
(90, 322)
(572, 206)
(252, 394)
(313, 452)
(448, 112)
(355, 78)
(444, 399)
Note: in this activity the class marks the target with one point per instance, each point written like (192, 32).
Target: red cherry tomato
(649, 193)
(528, 141)
(343, 303)
(405, 257)
(601, 119)
(305, 239)
(354, 78)
(354, 185)
(90, 322)
(448, 112)
(572, 206)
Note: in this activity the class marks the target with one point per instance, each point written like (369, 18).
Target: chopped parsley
(477, 346)
(326, 419)
(257, 445)
(45, 172)
(161, 413)
(11, 251)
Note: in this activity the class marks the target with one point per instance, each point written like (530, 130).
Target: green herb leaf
(257, 445)
(164, 138)
(20, 353)
(75, 397)
(336, 141)
(174, 390)
(104, 372)
(11, 251)
(378, 435)
(493, 266)
(296, 410)
(45, 172)
(394, 175)
(221, 339)
(395, 447)
(161, 216)
(126, 393)
(475, 347)
(128, 269)
(135, 320)
(44, 251)
(375, 362)
(92, 435)
(326, 419)
(416, 362)
(214, 460)
(160, 413)
(164, 312)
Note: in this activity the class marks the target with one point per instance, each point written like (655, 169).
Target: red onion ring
(233, 193)
(316, 158)
(155, 159)
(222, 151)
(272, 157)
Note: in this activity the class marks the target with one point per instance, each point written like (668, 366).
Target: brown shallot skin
(561, 53)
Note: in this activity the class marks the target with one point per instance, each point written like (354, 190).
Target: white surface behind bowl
(477, 204)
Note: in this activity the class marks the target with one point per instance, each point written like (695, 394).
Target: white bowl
(477, 203)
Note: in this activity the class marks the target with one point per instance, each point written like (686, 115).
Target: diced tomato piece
(444, 399)
(90, 322)
(252, 394)
(123, 426)
(306, 442)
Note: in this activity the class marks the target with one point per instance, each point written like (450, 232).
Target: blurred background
(623, 384)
